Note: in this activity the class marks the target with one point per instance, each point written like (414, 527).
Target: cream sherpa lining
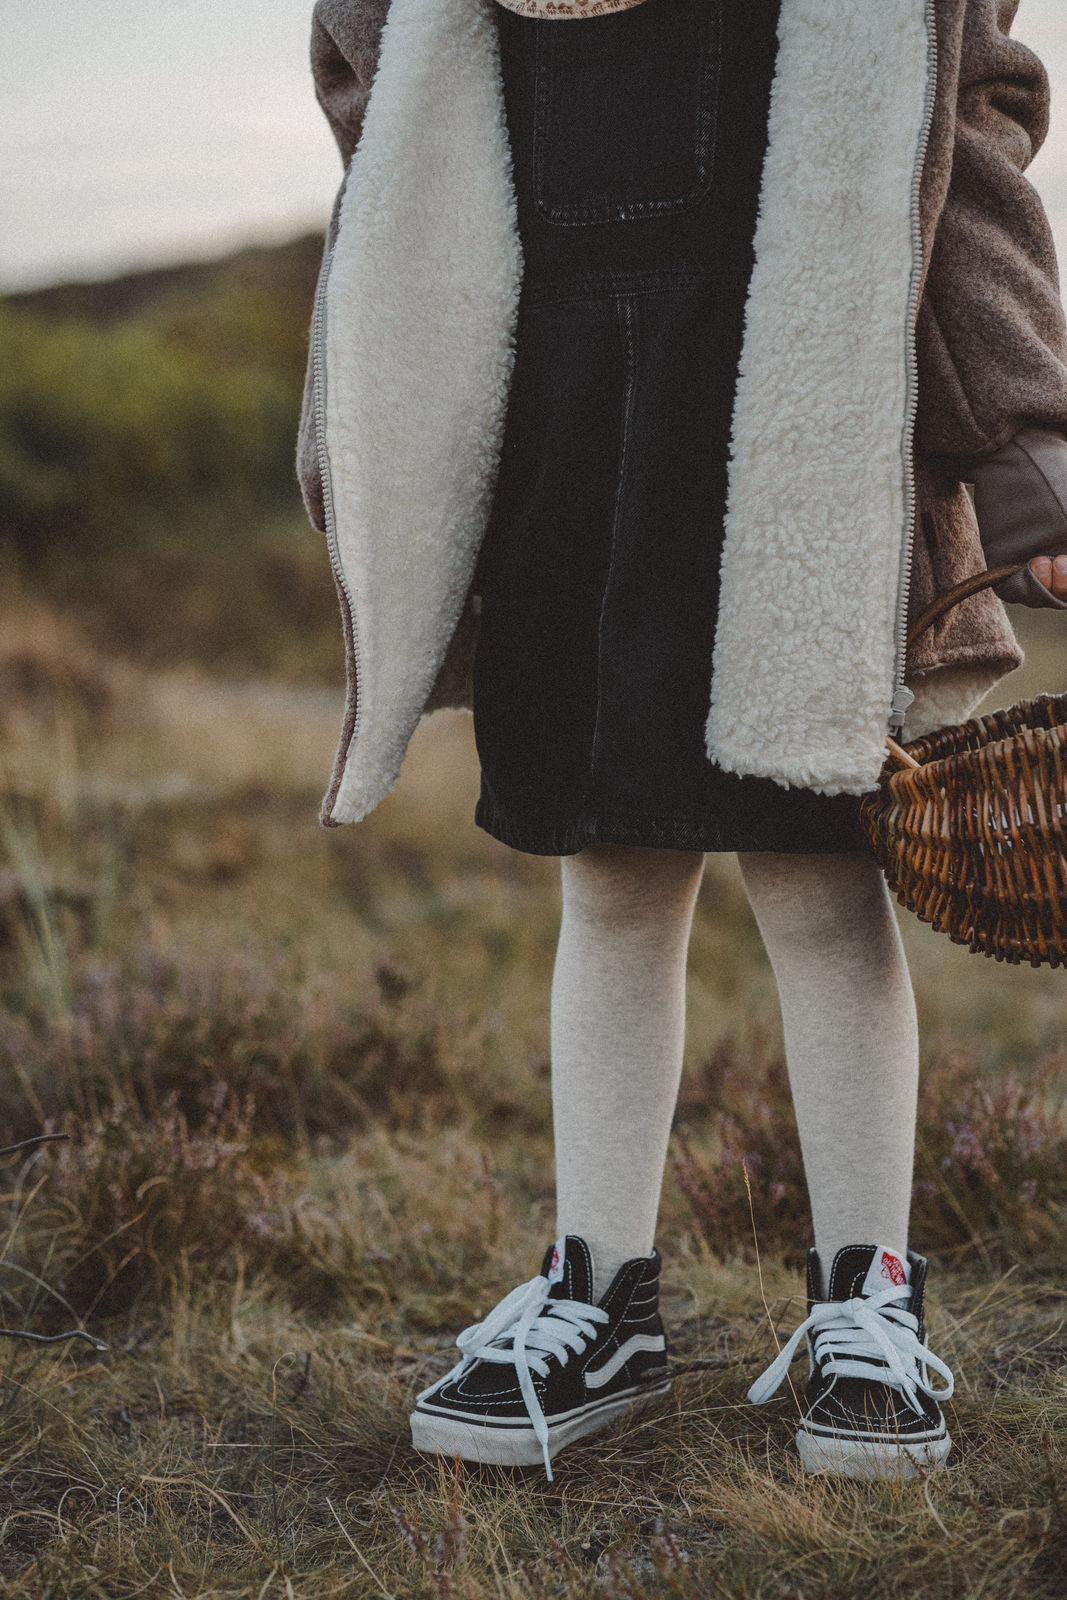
(804, 654)
(421, 301)
(949, 694)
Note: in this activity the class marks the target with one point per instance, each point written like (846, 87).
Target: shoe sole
(871, 1461)
(503, 1445)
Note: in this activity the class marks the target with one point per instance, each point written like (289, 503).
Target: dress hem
(568, 837)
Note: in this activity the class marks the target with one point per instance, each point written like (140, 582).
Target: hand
(1020, 498)
(1051, 574)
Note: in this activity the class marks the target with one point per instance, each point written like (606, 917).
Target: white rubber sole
(515, 1444)
(858, 1458)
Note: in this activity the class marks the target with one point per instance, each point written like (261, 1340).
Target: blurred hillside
(148, 495)
(147, 434)
(284, 274)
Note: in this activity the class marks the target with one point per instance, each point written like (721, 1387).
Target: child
(683, 323)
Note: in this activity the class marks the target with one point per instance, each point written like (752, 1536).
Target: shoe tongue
(568, 1267)
(862, 1269)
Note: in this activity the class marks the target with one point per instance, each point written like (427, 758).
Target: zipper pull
(902, 699)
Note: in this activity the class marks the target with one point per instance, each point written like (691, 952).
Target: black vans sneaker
(548, 1365)
(871, 1410)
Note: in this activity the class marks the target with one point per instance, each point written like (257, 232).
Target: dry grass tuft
(304, 1079)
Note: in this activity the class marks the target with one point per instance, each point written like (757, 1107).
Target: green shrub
(123, 436)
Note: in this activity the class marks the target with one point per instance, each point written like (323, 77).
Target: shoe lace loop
(516, 1333)
(868, 1337)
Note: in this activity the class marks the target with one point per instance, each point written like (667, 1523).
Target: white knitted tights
(618, 1028)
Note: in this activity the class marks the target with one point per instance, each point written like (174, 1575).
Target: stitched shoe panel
(860, 1408)
(547, 1364)
(872, 1408)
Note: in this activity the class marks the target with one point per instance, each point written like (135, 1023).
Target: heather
(299, 1082)
(280, 1096)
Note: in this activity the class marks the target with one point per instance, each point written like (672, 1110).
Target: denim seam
(705, 134)
(627, 317)
(567, 836)
(680, 280)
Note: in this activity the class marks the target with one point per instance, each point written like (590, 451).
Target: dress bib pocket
(625, 113)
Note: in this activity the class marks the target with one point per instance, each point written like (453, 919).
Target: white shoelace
(868, 1337)
(567, 1327)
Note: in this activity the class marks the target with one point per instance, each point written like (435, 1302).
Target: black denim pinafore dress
(638, 140)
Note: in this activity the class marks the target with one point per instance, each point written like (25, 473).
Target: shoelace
(567, 1327)
(869, 1338)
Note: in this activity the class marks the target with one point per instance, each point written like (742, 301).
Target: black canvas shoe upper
(869, 1374)
(547, 1351)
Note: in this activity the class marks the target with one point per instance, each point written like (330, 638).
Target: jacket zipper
(902, 695)
(318, 365)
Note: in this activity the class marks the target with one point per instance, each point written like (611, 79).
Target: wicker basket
(969, 823)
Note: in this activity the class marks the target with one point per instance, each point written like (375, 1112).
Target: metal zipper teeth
(902, 695)
(318, 363)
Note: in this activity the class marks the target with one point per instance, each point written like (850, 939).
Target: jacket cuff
(1020, 500)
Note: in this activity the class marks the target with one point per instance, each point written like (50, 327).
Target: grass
(304, 1079)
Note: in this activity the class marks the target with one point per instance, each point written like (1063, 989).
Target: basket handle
(960, 591)
(937, 608)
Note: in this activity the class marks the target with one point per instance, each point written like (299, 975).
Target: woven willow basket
(969, 823)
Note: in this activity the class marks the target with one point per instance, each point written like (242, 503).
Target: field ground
(303, 1074)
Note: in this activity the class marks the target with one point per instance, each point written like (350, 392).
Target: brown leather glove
(1020, 499)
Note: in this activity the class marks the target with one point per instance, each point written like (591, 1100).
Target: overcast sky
(136, 133)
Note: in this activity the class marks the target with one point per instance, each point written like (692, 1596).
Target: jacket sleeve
(992, 343)
(345, 44)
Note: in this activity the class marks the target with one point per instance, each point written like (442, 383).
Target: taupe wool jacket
(904, 334)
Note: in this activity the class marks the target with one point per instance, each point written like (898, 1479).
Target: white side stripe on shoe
(640, 1341)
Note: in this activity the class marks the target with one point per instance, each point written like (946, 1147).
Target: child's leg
(618, 1027)
(872, 1400)
(850, 1036)
(618, 1022)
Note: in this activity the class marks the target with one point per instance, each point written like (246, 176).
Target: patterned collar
(562, 10)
